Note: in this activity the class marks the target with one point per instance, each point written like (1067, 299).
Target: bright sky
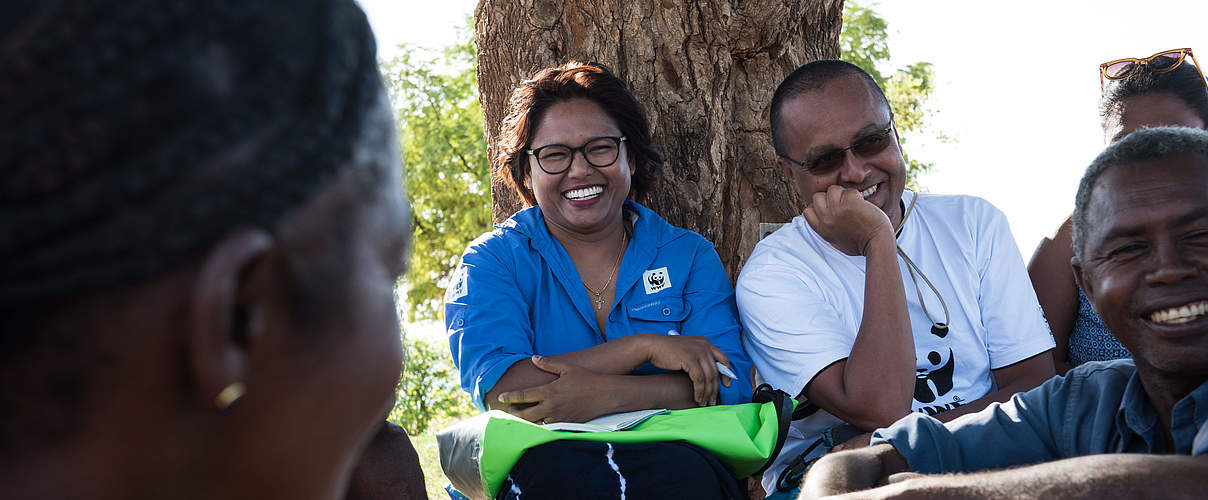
(1017, 84)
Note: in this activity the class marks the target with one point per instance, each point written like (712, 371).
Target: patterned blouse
(1091, 340)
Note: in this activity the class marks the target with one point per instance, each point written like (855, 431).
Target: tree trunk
(705, 71)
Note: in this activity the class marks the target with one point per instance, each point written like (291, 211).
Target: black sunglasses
(830, 161)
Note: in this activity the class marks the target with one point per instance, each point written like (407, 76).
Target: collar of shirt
(650, 233)
(1137, 418)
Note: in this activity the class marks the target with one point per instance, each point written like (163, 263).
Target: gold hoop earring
(229, 395)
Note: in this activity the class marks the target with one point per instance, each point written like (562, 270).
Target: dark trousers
(631, 471)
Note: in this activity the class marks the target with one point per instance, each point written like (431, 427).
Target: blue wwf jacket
(516, 293)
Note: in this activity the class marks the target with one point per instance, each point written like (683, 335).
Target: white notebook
(607, 423)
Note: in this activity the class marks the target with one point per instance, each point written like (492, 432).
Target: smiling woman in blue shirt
(586, 303)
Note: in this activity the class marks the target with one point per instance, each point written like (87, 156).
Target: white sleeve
(790, 329)
(1015, 326)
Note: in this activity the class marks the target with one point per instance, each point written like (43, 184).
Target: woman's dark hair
(573, 80)
(1184, 82)
(137, 133)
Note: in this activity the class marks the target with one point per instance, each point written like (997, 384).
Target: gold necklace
(599, 300)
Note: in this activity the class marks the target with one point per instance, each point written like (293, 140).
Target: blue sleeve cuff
(924, 442)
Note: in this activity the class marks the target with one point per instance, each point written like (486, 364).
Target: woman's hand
(845, 220)
(693, 355)
(577, 395)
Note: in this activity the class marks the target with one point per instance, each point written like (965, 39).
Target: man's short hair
(811, 77)
(1142, 145)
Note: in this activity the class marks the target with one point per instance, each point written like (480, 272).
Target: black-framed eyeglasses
(830, 161)
(599, 152)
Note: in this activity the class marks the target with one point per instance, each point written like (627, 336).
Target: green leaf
(445, 160)
(428, 392)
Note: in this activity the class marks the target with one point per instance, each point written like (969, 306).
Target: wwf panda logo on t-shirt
(931, 384)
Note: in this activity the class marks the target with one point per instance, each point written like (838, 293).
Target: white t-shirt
(801, 301)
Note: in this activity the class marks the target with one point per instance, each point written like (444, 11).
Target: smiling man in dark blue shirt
(1143, 263)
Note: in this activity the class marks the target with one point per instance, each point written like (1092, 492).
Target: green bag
(477, 454)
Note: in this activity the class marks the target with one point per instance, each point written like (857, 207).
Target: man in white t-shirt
(833, 314)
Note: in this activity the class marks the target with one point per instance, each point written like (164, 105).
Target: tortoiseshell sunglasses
(1162, 62)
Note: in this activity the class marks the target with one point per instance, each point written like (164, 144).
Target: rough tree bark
(705, 70)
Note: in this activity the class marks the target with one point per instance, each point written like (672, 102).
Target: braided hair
(138, 132)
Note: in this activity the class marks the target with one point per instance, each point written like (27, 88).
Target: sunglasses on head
(1162, 62)
(830, 161)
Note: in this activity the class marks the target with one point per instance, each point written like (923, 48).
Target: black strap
(790, 476)
(805, 410)
(765, 393)
(786, 413)
(784, 416)
(793, 471)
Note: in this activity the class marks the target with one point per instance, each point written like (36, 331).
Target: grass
(429, 460)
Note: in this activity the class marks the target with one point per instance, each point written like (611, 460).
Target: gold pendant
(599, 303)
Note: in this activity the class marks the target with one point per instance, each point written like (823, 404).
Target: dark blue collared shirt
(1098, 407)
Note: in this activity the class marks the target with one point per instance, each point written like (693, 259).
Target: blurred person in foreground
(201, 224)
(1123, 428)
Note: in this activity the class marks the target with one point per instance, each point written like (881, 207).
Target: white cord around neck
(938, 329)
